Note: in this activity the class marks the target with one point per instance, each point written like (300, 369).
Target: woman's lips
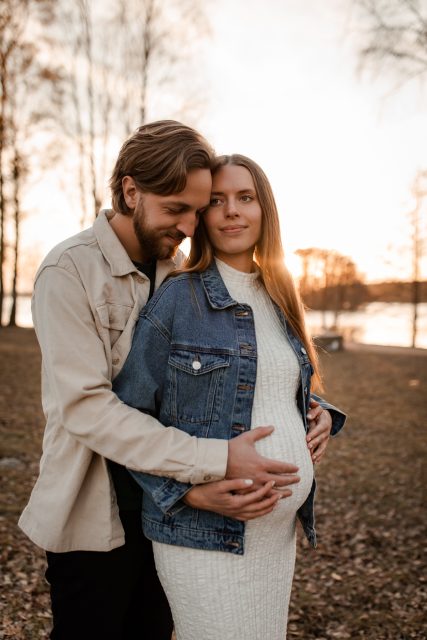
(232, 229)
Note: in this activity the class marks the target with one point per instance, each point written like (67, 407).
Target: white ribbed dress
(218, 595)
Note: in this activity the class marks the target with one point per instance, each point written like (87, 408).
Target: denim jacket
(193, 365)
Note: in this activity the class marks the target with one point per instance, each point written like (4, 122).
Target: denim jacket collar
(215, 289)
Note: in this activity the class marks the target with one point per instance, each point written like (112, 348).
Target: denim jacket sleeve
(140, 385)
(338, 417)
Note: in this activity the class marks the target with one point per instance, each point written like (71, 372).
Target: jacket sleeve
(140, 384)
(79, 390)
(338, 417)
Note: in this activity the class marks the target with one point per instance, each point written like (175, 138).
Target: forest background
(77, 78)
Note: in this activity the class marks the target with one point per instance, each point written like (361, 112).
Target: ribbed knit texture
(220, 596)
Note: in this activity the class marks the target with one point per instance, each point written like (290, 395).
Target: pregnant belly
(288, 444)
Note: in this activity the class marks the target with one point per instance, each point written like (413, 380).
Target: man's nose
(188, 223)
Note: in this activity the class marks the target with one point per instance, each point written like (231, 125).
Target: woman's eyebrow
(221, 193)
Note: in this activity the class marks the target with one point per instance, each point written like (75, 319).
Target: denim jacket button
(196, 364)
(303, 351)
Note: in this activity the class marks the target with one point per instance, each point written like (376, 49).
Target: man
(85, 509)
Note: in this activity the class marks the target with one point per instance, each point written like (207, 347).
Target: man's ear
(130, 191)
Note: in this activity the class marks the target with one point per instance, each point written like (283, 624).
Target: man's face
(162, 222)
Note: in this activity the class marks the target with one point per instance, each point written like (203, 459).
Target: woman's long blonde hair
(269, 256)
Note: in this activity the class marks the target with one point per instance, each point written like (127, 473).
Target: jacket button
(303, 351)
(196, 364)
(305, 390)
(115, 360)
(139, 279)
(207, 478)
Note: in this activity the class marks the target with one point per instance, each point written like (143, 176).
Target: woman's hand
(221, 497)
(320, 425)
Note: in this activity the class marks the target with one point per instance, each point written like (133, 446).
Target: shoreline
(347, 346)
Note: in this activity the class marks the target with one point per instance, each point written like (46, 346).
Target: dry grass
(367, 579)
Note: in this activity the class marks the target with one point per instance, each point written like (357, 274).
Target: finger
(320, 450)
(254, 507)
(254, 497)
(258, 433)
(314, 403)
(228, 486)
(315, 430)
(277, 467)
(323, 425)
(316, 433)
(314, 412)
(256, 511)
(282, 480)
(314, 443)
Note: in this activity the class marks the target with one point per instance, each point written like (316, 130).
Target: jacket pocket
(196, 387)
(114, 318)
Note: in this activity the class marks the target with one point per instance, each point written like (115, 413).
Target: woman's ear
(130, 192)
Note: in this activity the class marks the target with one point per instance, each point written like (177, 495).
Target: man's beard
(150, 240)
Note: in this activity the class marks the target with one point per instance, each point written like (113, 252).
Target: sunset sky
(281, 85)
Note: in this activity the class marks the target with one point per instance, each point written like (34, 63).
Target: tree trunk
(2, 199)
(415, 301)
(16, 174)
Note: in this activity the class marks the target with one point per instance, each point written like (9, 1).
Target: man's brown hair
(158, 156)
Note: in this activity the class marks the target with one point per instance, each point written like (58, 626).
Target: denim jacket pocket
(196, 387)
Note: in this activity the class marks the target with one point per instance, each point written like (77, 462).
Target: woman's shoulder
(174, 290)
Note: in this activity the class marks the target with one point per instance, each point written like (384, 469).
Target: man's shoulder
(64, 253)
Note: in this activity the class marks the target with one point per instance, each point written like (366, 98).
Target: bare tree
(417, 218)
(24, 104)
(13, 17)
(395, 40)
(119, 58)
(394, 37)
(160, 43)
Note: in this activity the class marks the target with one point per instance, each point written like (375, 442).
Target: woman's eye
(214, 202)
(246, 198)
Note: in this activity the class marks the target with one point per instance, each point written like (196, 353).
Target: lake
(388, 323)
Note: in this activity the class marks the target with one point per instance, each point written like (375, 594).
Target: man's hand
(319, 430)
(221, 498)
(244, 462)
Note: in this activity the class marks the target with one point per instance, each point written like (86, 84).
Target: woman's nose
(231, 209)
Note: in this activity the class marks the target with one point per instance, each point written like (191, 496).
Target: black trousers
(114, 595)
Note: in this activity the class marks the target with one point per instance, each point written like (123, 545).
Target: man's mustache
(177, 236)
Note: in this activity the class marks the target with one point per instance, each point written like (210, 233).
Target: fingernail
(310, 446)
(273, 482)
(248, 482)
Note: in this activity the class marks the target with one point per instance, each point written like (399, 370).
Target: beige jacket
(86, 301)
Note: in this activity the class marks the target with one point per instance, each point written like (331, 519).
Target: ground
(366, 579)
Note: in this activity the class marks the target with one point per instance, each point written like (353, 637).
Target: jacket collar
(216, 291)
(219, 298)
(116, 255)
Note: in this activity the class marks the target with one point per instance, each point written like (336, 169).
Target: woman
(223, 346)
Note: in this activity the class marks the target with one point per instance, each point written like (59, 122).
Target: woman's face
(233, 220)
